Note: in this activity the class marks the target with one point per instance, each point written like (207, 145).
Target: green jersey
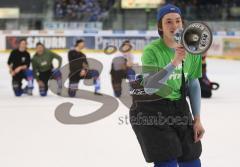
(43, 63)
(158, 54)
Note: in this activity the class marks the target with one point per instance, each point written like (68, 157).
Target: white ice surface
(30, 136)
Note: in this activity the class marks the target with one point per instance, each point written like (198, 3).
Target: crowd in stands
(84, 10)
(97, 10)
(206, 9)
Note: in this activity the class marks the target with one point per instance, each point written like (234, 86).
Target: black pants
(17, 79)
(44, 77)
(117, 76)
(164, 130)
(17, 82)
(74, 79)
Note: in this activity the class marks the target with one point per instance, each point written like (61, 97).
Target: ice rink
(30, 135)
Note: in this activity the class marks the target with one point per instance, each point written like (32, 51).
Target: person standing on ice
(19, 63)
(43, 70)
(163, 126)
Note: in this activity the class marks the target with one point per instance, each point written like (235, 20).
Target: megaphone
(196, 37)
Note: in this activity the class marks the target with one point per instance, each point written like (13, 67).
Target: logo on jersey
(23, 59)
(177, 75)
(43, 63)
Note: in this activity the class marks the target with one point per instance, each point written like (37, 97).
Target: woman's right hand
(180, 54)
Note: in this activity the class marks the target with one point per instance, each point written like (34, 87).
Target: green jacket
(43, 63)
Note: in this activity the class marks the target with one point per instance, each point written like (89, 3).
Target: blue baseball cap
(169, 8)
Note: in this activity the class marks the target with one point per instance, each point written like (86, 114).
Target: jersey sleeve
(59, 58)
(149, 62)
(148, 58)
(10, 59)
(85, 62)
(71, 56)
(28, 60)
(131, 58)
(35, 68)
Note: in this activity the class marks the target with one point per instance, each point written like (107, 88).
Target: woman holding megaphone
(168, 133)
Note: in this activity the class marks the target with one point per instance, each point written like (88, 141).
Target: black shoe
(97, 93)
